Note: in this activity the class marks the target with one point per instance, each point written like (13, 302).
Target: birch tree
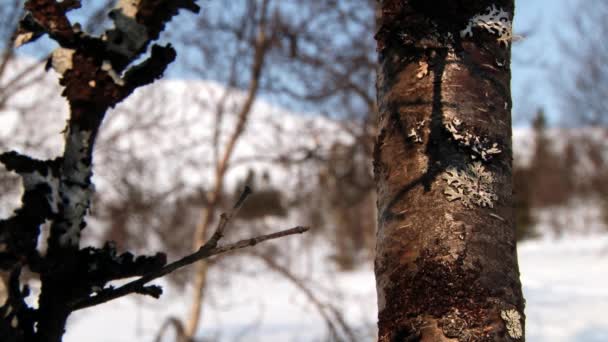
(446, 264)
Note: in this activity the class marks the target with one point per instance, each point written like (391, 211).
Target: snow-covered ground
(564, 285)
(565, 288)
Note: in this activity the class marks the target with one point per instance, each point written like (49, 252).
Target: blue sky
(535, 57)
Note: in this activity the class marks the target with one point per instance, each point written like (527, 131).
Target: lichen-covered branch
(60, 190)
(206, 251)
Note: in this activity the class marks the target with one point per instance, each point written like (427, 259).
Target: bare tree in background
(12, 83)
(257, 19)
(97, 72)
(272, 47)
(582, 87)
(549, 173)
(583, 81)
(328, 48)
(446, 263)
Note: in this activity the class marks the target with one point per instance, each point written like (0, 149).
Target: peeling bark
(446, 264)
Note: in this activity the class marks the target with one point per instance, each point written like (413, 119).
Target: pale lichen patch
(128, 7)
(3, 291)
(61, 60)
(496, 21)
(452, 325)
(76, 188)
(23, 38)
(107, 67)
(423, 69)
(473, 186)
(416, 132)
(128, 36)
(512, 320)
(481, 147)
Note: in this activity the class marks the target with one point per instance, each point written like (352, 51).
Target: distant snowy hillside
(162, 137)
(168, 127)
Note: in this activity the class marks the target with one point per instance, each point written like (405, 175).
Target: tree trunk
(446, 264)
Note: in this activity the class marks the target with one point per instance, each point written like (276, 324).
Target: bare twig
(226, 218)
(177, 325)
(137, 286)
(326, 310)
(254, 241)
(261, 48)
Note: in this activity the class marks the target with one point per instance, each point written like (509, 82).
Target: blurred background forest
(280, 96)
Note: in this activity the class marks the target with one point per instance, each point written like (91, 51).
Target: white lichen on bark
(473, 186)
(481, 147)
(416, 132)
(76, 188)
(23, 38)
(495, 20)
(61, 60)
(423, 69)
(128, 7)
(512, 320)
(107, 67)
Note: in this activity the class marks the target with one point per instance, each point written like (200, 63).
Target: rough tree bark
(446, 264)
(60, 190)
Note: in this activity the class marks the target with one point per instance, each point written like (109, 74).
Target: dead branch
(260, 46)
(333, 318)
(176, 323)
(206, 251)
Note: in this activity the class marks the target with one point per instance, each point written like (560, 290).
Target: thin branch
(176, 323)
(225, 220)
(204, 252)
(321, 307)
(254, 241)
